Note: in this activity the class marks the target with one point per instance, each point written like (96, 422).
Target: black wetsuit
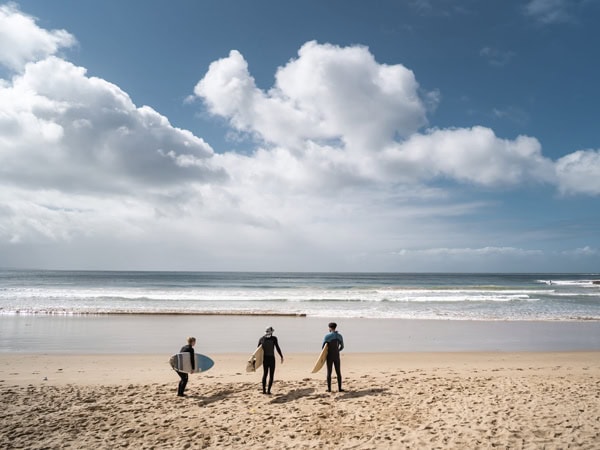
(335, 344)
(183, 375)
(269, 344)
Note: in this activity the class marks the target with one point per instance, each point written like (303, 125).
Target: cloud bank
(344, 164)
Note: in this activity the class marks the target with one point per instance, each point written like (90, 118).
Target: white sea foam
(411, 296)
(582, 283)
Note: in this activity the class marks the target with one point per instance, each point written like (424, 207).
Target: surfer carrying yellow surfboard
(269, 344)
(335, 344)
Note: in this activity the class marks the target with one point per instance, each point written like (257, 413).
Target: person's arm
(278, 349)
(341, 342)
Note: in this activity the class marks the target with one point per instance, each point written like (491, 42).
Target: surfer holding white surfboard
(269, 344)
(335, 344)
(189, 348)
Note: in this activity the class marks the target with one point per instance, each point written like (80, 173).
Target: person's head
(191, 341)
(332, 326)
(269, 330)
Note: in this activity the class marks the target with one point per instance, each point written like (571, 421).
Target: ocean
(450, 296)
(79, 312)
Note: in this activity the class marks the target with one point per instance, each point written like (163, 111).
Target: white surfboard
(321, 360)
(256, 360)
(182, 362)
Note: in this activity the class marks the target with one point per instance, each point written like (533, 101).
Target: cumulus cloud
(328, 93)
(61, 129)
(337, 112)
(22, 41)
(474, 155)
(579, 172)
(77, 157)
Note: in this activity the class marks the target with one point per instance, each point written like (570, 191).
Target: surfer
(191, 341)
(335, 344)
(269, 344)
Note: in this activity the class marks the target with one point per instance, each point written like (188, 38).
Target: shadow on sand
(217, 396)
(293, 395)
(356, 394)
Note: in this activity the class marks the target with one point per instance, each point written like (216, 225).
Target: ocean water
(554, 297)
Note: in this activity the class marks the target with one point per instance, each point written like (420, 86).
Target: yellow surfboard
(256, 360)
(321, 360)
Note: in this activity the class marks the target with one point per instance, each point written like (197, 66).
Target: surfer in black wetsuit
(191, 341)
(269, 344)
(335, 344)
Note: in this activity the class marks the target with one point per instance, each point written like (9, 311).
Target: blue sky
(309, 136)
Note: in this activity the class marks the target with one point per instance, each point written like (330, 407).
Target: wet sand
(160, 333)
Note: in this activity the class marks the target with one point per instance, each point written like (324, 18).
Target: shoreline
(392, 400)
(151, 334)
(275, 314)
(157, 313)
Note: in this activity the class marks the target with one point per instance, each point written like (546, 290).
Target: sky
(339, 135)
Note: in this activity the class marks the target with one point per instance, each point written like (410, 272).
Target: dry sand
(393, 400)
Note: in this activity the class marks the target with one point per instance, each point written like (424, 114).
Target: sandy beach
(392, 400)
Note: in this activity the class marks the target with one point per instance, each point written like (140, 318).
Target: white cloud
(78, 160)
(61, 128)
(582, 251)
(22, 41)
(548, 11)
(473, 155)
(55, 216)
(514, 114)
(327, 93)
(579, 172)
(471, 252)
(497, 57)
(338, 114)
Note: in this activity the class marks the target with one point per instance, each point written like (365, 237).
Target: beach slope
(393, 400)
